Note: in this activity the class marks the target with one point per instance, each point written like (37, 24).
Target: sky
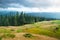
(31, 5)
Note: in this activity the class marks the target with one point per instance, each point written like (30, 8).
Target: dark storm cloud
(5, 3)
(28, 3)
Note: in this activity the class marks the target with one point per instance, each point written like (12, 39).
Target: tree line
(18, 19)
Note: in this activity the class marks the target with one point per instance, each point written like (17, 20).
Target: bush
(28, 35)
(12, 30)
(8, 35)
(0, 38)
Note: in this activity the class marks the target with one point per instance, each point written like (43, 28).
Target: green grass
(19, 30)
(56, 21)
(5, 30)
(8, 35)
(44, 32)
(35, 29)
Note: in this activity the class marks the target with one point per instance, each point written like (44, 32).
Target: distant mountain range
(55, 15)
(38, 14)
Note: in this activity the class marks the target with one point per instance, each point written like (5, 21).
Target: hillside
(45, 30)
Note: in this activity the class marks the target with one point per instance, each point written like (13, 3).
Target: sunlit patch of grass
(56, 21)
(19, 30)
(8, 35)
(32, 30)
(38, 31)
(5, 31)
(46, 32)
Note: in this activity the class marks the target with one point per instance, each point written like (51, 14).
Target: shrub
(12, 30)
(0, 38)
(8, 35)
(28, 35)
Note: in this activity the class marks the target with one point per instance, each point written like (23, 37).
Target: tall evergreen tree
(22, 18)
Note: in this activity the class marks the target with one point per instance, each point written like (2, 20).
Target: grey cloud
(5, 3)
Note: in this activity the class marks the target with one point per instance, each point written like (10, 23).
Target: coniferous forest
(19, 19)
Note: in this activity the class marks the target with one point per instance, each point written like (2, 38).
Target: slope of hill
(45, 30)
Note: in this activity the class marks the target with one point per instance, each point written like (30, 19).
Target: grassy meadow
(44, 28)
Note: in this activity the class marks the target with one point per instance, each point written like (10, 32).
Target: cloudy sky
(31, 5)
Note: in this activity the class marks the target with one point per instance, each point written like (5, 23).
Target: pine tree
(22, 18)
(6, 21)
(16, 17)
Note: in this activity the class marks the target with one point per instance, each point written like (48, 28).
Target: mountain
(38, 14)
(7, 12)
(46, 14)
